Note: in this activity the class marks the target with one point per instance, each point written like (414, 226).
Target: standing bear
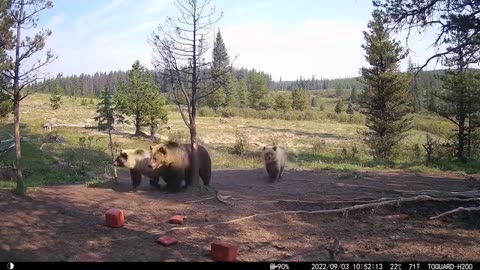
(137, 160)
(275, 159)
(175, 162)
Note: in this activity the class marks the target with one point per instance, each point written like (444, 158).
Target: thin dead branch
(457, 210)
(344, 210)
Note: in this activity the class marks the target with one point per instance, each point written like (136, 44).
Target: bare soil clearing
(66, 223)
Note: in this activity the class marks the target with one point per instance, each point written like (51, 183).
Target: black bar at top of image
(244, 265)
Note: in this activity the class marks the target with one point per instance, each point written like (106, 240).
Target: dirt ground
(66, 223)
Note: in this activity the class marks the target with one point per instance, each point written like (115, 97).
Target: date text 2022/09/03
(376, 266)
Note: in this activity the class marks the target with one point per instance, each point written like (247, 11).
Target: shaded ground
(66, 223)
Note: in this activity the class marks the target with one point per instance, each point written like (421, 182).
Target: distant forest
(86, 85)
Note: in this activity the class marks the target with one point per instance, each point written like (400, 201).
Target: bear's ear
(264, 148)
(162, 150)
(274, 148)
(124, 155)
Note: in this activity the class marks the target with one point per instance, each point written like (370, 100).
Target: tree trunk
(195, 166)
(138, 132)
(115, 176)
(461, 138)
(20, 189)
(469, 136)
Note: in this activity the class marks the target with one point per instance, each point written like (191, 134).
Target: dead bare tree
(180, 49)
(24, 15)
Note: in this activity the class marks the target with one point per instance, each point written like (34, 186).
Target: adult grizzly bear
(275, 159)
(137, 160)
(175, 162)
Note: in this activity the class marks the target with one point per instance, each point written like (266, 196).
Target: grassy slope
(311, 144)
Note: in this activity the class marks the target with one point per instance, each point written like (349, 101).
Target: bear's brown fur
(275, 160)
(137, 160)
(175, 162)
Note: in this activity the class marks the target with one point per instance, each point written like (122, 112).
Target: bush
(206, 112)
(84, 102)
(241, 143)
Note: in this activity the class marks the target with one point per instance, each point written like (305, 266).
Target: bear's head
(269, 153)
(128, 158)
(163, 154)
(159, 156)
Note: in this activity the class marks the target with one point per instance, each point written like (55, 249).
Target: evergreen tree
(56, 98)
(300, 99)
(106, 120)
(242, 94)
(339, 107)
(155, 111)
(384, 98)
(350, 108)
(354, 95)
(217, 99)
(432, 104)
(221, 76)
(257, 89)
(17, 68)
(461, 97)
(135, 94)
(283, 102)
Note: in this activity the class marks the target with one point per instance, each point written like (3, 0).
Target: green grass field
(312, 145)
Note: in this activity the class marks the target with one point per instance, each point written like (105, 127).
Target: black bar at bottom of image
(245, 265)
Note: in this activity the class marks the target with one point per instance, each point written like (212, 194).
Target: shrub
(241, 143)
(206, 112)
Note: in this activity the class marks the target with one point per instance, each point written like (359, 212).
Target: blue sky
(283, 37)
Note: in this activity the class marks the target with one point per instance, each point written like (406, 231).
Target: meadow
(316, 139)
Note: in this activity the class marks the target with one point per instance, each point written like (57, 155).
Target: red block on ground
(223, 252)
(114, 218)
(167, 240)
(177, 219)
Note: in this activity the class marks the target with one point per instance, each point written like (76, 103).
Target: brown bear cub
(175, 162)
(137, 160)
(275, 160)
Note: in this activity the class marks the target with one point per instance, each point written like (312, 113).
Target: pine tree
(106, 120)
(354, 95)
(461, 97)
(57, 93)
(155, 111)
(17, 68)
(257, 89)
(283, 102)
(242, 93)
(221, 76)
(384, 99)
(339, 107)
(134, 95)
(350, 108)
(300, 99)
(217, 99)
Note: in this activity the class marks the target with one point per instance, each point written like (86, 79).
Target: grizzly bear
(137, 160)
(175, 162)
(275, 159)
